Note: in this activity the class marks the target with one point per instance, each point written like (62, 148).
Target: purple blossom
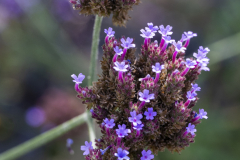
(184, 37)
(145, 96)
(179, 47)
(203, 50)
(191, 129)
(78, 79)
(118, 50)
(103, 151)
(147, 34)
(127, 43)
(203, 66)
(135, 119)
(87, 147)
(189, 35)
(109, 32)
(202, 114)
(157, 68)
(122, 154)
(109, 124)
(138, 127)
(148, 76)
(150, 114)
(147, 155)
(190, 64)
(201, 57)
(168, 39)
(191, 96)
(165, 31)
(122, 131)
(35, 116)
(195, 87)
(69, 142)
(121, 67)
(151, 27)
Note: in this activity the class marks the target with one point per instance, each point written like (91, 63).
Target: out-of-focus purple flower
(63, 10)
(168, 39)
(147, 34)
(189, 35)
(191, 95)
(191, 129)
(195, 87)
(150, 114)
(179, 47)
(120, 67)
(147, 155)
(87, 147)
(122, 131)
(35, 116)
(190, 63)
(69, 142)
(138, 127)
(151, 27)
(122, 154)
(109, 124)
(203, 50)
(109, 32)
(165, 31)
(145, 96)
(79, 79)
(12, 7)
(135, 119)
(118, 50)
(202, 114)
(203, 66)
(157, 68)
(127, 43)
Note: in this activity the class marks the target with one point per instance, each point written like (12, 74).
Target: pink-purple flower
(147, 155)
(191, 96)
(203, 50)
(121, 67)
(191, 129)
(195, 87)
(138, 127)
(150, 114)
(145, 96)
(135, 119)
(109, 32)
(87, 147)
(165, 31)
(178, 47)
(157, 68)
(147, 34)
(190, 63)
(79, 79)
(109, 123)
(189, 35)
(151, 27)
(202, 114)
(122, 154)
(122, 131)
(118, 50)
(127, 43)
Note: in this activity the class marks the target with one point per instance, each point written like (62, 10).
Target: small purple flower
(109, 124)
(150, 114)
(165, 31)
(145, 96)
(184, 37)
(189, 63)
(179, 47)
(201, 57)
(195, 87)
(157, 68)
(122, 154)
(204, 66)
(121, 67)
(138, 127)
(78, 79)
(191, 129)
(151, 27)
(109, 32)
(118, 50)
(147, 34)
(190, 35)
(135, 119)
(69, 142)
(168, 39)
(122, 131)
(191, 96)
(148, 76)
(87, 147)
(127, 43)
(203, 50)
(147, 155)
(202, 114)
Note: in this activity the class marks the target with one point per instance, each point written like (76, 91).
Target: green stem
(43, 138)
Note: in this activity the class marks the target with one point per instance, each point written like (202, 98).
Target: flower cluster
(118, 8)
(144, 102)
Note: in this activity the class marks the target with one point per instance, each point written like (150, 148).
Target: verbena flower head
(138, 127)
(109, 32)
(109, 124)
(157, 68)
(120, 67)
(191, 129)
(122, 154)
(178, 47)
(135, 119)
(78, 79)
(147, 34)
(165, 31)
(150, 114)
(195, 87)
(191, 96)
(127, 43)
(190, 63)
(87, 147)
(152, 28)
(145, 96)
(118, 50)
(190, 35)
(147, 155)
(202, 114)
(122, 131)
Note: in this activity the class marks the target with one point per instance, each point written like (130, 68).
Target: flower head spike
(190, 64)
(151, 27)
(145, 96)
(79, 79)
(190, 35)
(147, 155)
(191, 96)
(203, 50)
(87, 147)
(127, 43)
(150, 114)
(109, 124)
(122, 131)
(179, 47)
(168, 39)
(118, 50)
(191, 129)
(202, 114)
(157, 68)
(195, 87)
(135, 119)
(147, 34)
(121, 67)
(109, 32)
(122, 154)
(165, 31)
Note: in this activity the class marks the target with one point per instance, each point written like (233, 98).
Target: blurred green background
(43, 42)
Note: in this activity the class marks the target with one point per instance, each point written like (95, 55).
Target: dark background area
(43, 42)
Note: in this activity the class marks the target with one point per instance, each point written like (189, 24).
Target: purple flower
(189, 63)
(184, 38)
(122, 131)
(127, 43)
(109, 124)
(191, 95)
(179, 47)
(145, 96)
(150, 114)
(135, 119)
(109, 32)
(150, 27)
(122, 154)
(147, 155)
(69, 142)
(195, 87)
(157, 68)
(118, 50)
(204, 66)
(138, 127)
(87, 147)
(168, 39)
(203, 50)
(78, 79)
(189, 35)
(165, 31)
(120, 67)
(201, 57)
(147, 34)
(148, 76)
(35, 116)
(202, 114)
(191, 129)
(103, 151)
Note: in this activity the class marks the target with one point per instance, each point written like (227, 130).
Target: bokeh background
(43, 42)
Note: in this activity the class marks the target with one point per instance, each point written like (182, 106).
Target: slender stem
(43, 138)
